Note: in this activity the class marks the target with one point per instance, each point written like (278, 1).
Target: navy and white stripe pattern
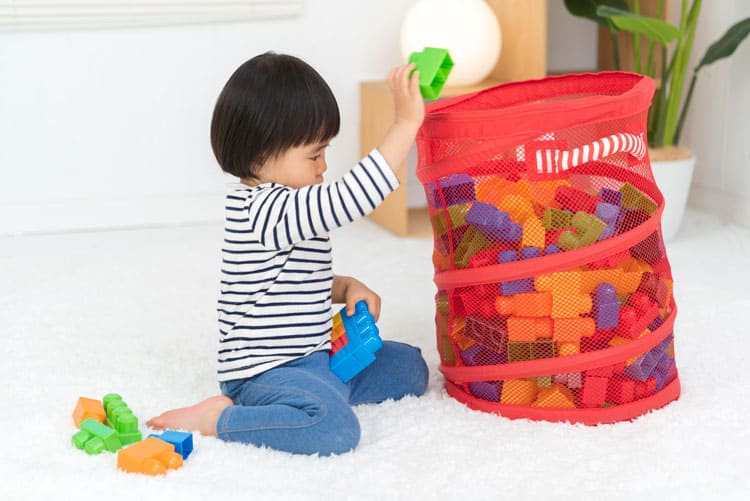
(552, 161)
(276, 275)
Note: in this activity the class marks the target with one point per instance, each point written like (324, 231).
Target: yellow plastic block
(88, 408)
(533, 233)
(529, 329)
(519, 208)
(565, 306)
(567, 349)
(557, 395)
(151, 456)
(518, 391)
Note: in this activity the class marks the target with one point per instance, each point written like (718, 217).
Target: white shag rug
(133, 312)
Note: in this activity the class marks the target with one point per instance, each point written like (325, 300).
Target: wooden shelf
(523, 56)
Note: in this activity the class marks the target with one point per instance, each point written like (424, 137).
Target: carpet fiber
(133, 312)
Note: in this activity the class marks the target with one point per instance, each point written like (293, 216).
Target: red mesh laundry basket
(554, 290)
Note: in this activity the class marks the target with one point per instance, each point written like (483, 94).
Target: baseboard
(110, 213)
(729, 206)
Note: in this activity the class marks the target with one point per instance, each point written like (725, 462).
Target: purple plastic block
(433, 195)
(530, 253)
(458, 189)
(612, 197)
(492, 223)
(479, 355)
(662, 370)
(606, 307)
(511, 287)
(656, 323)
(609, 214)
(486, 390)
(552, 249)
(641, 369)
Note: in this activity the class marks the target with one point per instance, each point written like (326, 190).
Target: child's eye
(315, 158)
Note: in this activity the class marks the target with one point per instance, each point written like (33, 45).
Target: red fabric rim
(591, 417)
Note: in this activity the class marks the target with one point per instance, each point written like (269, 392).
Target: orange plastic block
(590, 280)
(565, 306)
(494, 189)
(519, 208)
(88, 408)
(570, 330)
(557, 395)
(533, 233)
(563, 282)
(518, 391)
(529, 329)
(151, 456)
(529, 304)
(567, 349)
(543, 193)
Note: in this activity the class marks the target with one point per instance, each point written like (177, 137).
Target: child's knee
(340, 434)
(413, 374)
(420, 374)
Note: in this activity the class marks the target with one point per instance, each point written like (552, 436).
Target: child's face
(296, 167)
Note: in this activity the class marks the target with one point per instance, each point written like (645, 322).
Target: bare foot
(201, 417)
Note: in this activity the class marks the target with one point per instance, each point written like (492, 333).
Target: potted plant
(671, 162)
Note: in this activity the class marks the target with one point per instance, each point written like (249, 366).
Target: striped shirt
(276, 275)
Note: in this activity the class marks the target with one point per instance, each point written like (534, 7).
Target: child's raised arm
(409, 115)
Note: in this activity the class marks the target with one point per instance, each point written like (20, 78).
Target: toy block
(611, 261)
(641, 302)
(588, 229)
(573, 380)
(533, 233)
(434, 65)
(510, 287)
(621, 391)
(519, 351)
(181, 440)
(591, 279)
(611, 197)
(571, 330)
(518, 391)
(655, 324)
(486, 390)
(450, 239)
(438, 222)
(567, 306)
(632, 197)
(531, 304)
(604, 371)
(121, 418)
(644, 389)
(609, 214)
(530, 253)
(631, 218)
(493, 224)
(471, 243)
(575, 200)
(552, 249)
(598, 341)
(88, 408)
(544, 381)
(562, 283)
(441, 262)
(556, 395)
(606, 308)
(594, 391)
(485, 258)
(493, 335)
(556, 219)
(543, 348)
(662, 370)
(476, 299)
(459, 328)
(152, 456)
(641, 369)
(444, 343)
(479, 355)
(543, 193)
(493, 190)
(567, 349)
(95, 437)
(363, 340)
(529, 329)
(649, 250)
(519, 207)
(457, 189)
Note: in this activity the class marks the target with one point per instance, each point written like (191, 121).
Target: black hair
(271, 103)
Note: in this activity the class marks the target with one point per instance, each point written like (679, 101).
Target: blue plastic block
(530, 253)
(606, 308)
(363, 340)
(552, 249)
(182, 441)
(511, 287)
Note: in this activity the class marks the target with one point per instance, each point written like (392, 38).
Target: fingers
(373, 306)
(401, 77)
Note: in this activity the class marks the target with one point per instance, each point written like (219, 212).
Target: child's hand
(408, 98)
(355, 291)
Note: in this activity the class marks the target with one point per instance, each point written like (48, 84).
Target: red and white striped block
(551, 161)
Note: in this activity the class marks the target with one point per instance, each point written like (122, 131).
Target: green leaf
(588, 9)
(727, 44)
(653, 29)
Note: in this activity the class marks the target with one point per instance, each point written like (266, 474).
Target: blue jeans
(304, 408)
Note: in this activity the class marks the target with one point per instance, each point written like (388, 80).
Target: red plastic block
(644, 389)
(648, 250)
(594, 391)
(576, 200)
(621, 391)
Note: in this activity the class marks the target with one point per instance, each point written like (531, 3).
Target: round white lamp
(469, 30)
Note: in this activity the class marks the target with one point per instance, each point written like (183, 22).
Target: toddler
(271, 126)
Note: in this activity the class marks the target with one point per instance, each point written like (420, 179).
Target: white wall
(107, 128)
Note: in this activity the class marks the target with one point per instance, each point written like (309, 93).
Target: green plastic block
(556, 219)
(122, 419)
(95, 437)
(588, 228)
(434, 66)
(632, 197)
